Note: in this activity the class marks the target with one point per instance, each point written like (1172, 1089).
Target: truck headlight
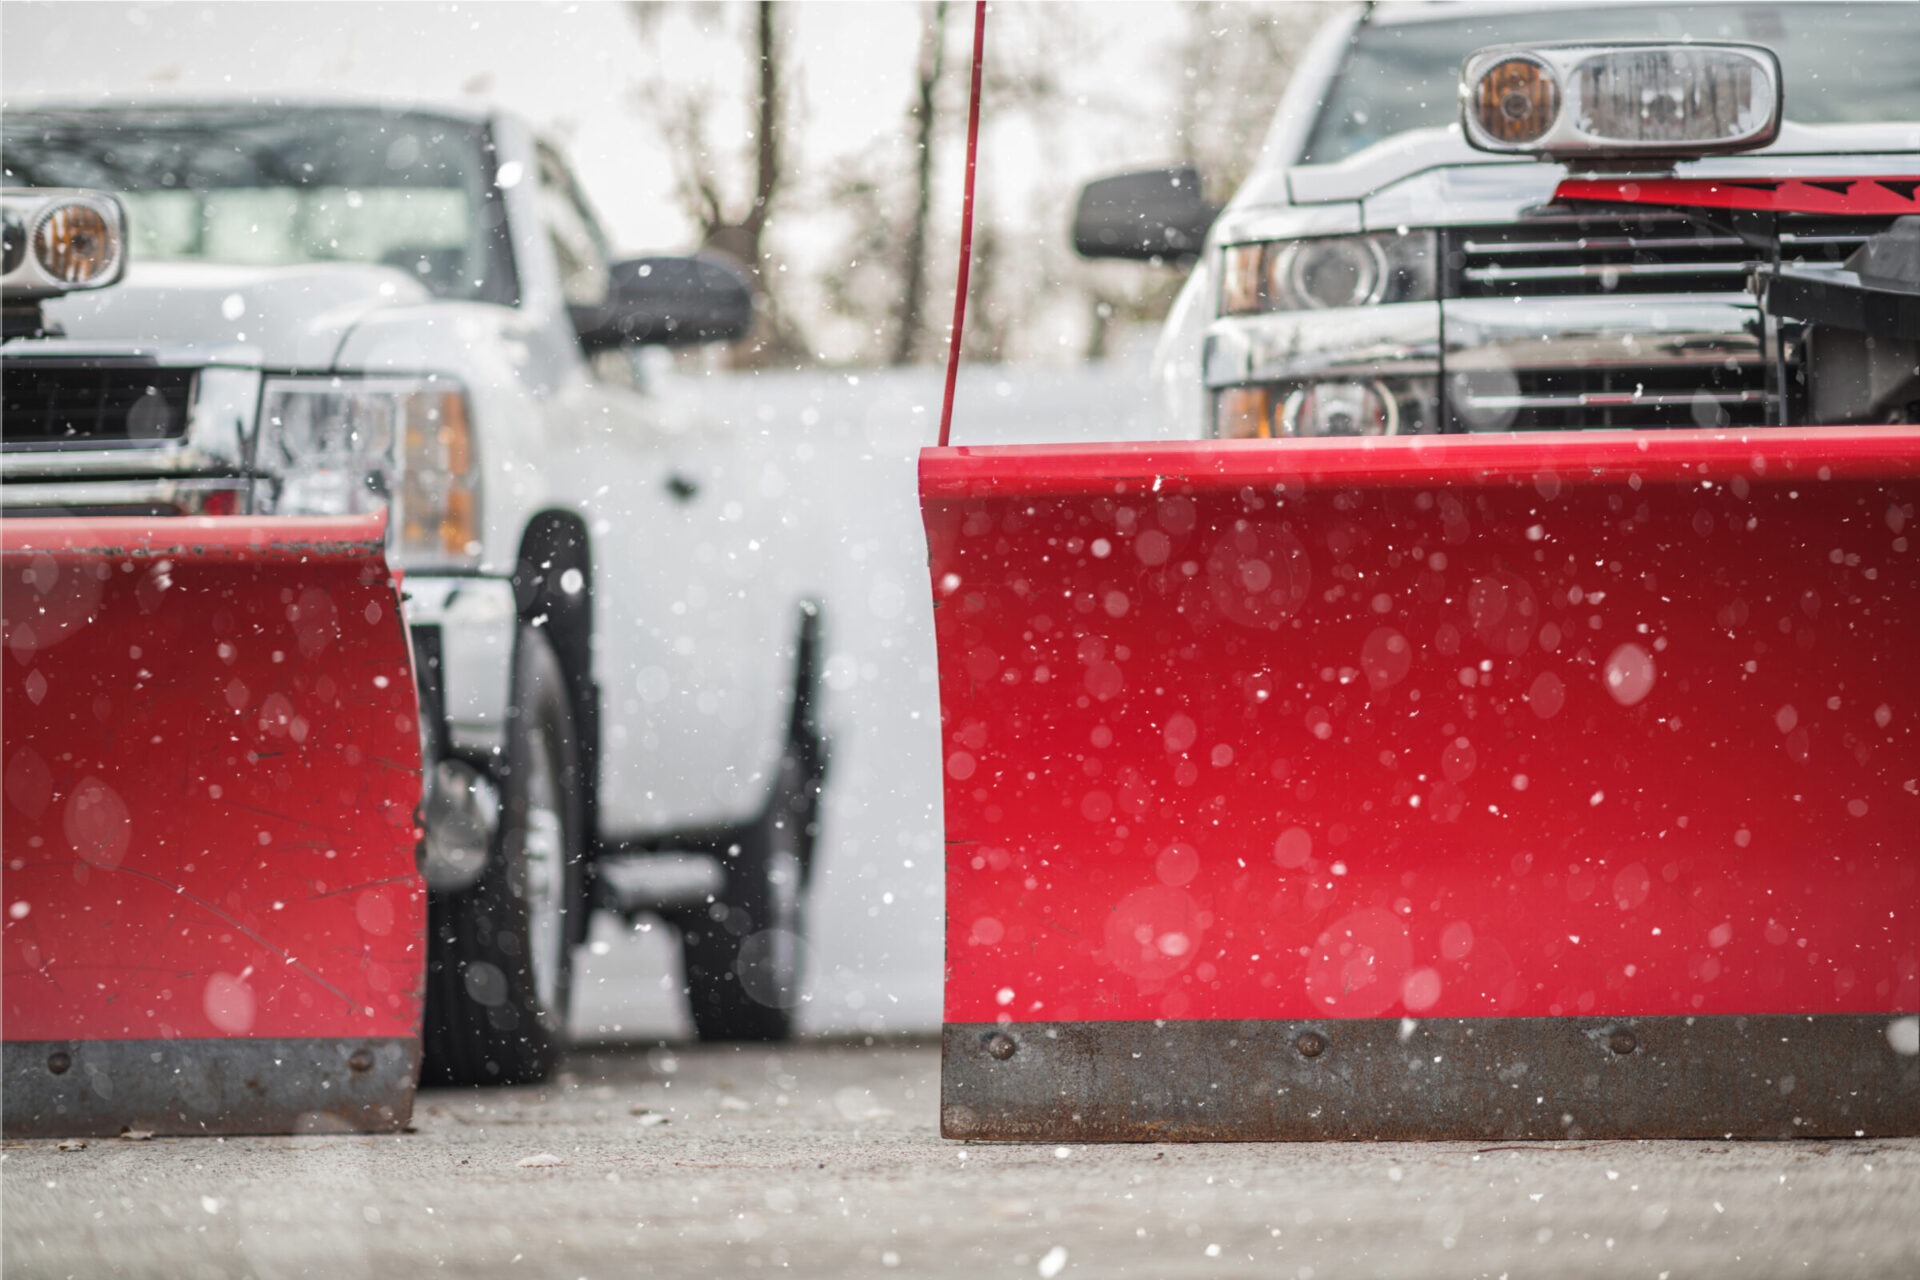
(1340, 408)
(1324, 408)
(1324, 272)
(344, 446)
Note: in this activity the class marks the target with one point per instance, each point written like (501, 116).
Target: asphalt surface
(824, 1159)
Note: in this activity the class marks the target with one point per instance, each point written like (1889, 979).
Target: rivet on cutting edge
(361, 1061)
(1622, 1042)
(1311, 1044)
(58, 1062)
(1000, 1045)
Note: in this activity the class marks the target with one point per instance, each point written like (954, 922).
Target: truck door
(688, 637)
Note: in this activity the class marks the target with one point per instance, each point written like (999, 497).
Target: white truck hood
(294, 317)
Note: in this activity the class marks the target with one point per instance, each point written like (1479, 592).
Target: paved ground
(823, 1160)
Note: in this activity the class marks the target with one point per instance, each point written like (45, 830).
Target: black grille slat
(1572, 399)
(1607, 256)
(1620, 253)
(92, 405)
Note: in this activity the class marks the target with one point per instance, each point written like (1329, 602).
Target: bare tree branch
(913, 284)
(737, 228)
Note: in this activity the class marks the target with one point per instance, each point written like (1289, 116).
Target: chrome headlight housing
(1325, 272)
(60, 240)
(1579, 98)
(346, 446)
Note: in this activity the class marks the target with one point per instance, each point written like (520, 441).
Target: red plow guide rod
(1458, 787)
(214, 920)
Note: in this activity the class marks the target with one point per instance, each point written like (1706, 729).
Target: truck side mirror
(668, 301)
(1152, 214)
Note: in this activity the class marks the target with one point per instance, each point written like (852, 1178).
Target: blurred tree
(874, 228)
(885, 195)
(733, 198)
(925, 118)
(1235, 64)
(1031, 296)
(900, 197)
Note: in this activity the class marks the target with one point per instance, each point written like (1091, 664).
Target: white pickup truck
(1377, 274)
(333, 309)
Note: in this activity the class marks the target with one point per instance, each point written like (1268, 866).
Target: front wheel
(500, 955)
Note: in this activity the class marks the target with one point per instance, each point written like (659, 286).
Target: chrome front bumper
(1499, 360)
(1508, 362)
(471, 621)
(463, 636)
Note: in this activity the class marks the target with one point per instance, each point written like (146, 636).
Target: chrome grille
(1562, 257)
(1646, 398)
(49, 404)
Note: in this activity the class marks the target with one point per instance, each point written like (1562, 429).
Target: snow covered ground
(849, 444)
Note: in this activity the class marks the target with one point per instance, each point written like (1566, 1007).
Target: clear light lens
(1647, 97)
(76, 244)
(333, 449)
(1330, 408)
(1344, 271)
(1320, 409)
(344, 447)
(1516, 101)
(1328, 272)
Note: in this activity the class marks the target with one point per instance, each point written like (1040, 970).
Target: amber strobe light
(1516, 100)
(75, 243)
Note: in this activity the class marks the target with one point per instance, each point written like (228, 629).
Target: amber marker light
(1240, 279)
(75, 244)
(1243, 413)
(460, 520)
(1516, 101)
(439, 498)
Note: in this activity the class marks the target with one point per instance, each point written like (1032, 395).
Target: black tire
(500, 955)
(745, 956)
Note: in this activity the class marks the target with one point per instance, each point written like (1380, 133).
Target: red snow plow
(1545, 785)
(214, 921)
(1449, 787)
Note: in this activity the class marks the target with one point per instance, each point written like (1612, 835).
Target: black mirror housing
(668, 301)
(1152, 214)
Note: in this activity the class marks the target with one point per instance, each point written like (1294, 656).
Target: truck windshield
(275, 187)
(1842, 63)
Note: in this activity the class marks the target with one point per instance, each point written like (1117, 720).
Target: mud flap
(1563, 785)
(214, 918)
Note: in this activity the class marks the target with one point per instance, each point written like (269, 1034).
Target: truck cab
(337, 308)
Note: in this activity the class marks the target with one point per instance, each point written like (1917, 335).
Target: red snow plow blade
(214, 920)
(1432, 787)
